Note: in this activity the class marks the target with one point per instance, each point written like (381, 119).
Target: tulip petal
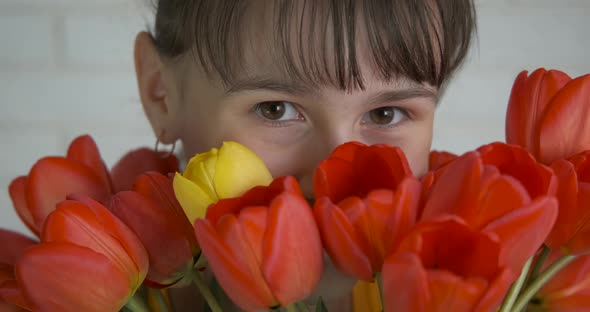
(578, 302)
(98, 230)
(518, 130)
(234, 263)
(450, 244)
(345, 246)
(368, 225)
(405, 283)
(347, 151)
(293, 256)
(116, 228)
(334, 178)
(538, 179)
(140, 161)
(17, 191)
(169, 250)
(257, 196)
(379, 166)
(529, 100)
(438, 159)
(450, 292)
(65, 277)
(159, 189)
(194, 200)
(579, 242)
(502, 196)
(51, 179)
(569, 211)
(565, 127)
(83, 149)
(496, 291)
(404, 214)
(457, 189)
(523, 231)
(254, 221)
(573, 278)
(11, 296)
(13, 245)
(237, 170)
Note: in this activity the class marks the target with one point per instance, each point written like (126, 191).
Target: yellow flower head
(220, 173)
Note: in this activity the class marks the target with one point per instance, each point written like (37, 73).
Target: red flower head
(571, 232)
(81, 171)
(88, 260)
(497, 189)
(264, 247)
(13, 246)
(445, 266)
(568, 290)
(549, 114)
(367, 199)
(154, 214)
(438, 159)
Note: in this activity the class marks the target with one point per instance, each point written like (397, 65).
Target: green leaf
(320, 306)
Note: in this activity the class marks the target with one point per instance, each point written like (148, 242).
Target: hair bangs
(320, 42)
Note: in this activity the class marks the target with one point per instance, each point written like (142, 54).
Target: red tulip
(82, 171)
(571, 232)
(445, 266)
(154, 214)
(438, 159)
(140, 161)
(264, 247)
(549, 114)
(11, 296)
(52, 178)
(354, 169)
(367, 199)
(491, 201)
(514, 161)
(568, 291)
(88, 261)
(13, 245)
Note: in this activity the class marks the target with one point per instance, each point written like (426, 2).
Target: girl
(291, 80)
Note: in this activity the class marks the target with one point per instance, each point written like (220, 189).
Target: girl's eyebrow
(260, 83)
(392, 96)
(407, 90)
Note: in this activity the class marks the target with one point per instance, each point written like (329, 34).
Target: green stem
(162, 305)
(538, 264)
(515, 288)
(380, 287)
(206, 292)
(292, 308)
(301, 306)
(136, 304)
(530, 292)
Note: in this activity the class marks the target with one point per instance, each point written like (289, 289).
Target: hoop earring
(164, 154)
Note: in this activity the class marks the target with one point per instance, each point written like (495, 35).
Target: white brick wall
(66, 67)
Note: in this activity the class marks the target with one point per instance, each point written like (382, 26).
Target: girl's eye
(277, 111)
(385, 116)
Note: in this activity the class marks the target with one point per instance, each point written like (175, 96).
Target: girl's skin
(292, 126)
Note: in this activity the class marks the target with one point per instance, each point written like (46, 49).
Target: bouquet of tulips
(505, 227)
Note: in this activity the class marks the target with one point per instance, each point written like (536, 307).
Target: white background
(66, 69)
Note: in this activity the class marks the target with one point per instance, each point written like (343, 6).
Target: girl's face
(292, 126)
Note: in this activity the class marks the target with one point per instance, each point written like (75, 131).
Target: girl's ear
(156, 89)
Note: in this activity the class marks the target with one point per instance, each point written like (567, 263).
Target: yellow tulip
(220, 173)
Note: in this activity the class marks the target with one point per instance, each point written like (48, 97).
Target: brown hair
(423, 40)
